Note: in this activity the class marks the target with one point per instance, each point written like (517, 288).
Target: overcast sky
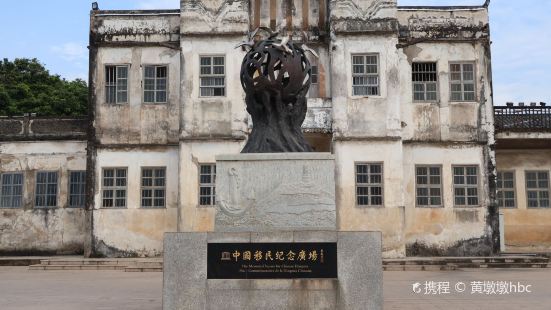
(56, 32)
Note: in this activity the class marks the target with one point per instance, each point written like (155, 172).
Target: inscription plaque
(271, 260)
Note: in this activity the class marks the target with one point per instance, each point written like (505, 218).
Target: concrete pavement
(22, 289)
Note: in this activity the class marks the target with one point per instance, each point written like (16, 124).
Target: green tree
(27, 87)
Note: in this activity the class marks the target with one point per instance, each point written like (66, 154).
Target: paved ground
(101, 290)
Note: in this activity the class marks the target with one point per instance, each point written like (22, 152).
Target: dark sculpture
(275, 75)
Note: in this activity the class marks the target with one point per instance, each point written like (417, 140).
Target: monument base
(358, 284)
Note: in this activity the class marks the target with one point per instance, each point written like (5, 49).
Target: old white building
(401, 95)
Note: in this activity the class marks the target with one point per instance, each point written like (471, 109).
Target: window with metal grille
(314, 75)
(153, 187)
(212, 76)
(114, 187)
(462, 82)
(207, 184)
(155, 84)
(46, 189)
(537, 189)
(425, 81)
(465, 182)
(506, 189)
(77, 189)
(428, 182)
(365, 75)
(369, 184)
(11, 190)
(116, 84)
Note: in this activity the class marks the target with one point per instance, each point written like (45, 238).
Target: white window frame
(425, 83)
(538, 189)
(501, 189)
(466, 186)
(429, 186)
(114, 188)
(115, 84)
(365, 74)
(153, 188)
(463, 81)
(211, 185)
(369, 185)
(70, 193)
(212, 75)
(46, 195)
(11, 196)
(155, 79)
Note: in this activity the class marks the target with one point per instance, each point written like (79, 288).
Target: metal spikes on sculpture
(275, 75)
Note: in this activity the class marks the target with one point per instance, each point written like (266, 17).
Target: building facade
(401, 95)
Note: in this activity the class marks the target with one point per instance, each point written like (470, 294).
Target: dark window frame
(500, 189)
(211, 75)
(365, 74)
(422, 77)
(369, 185)
(112, 80)
(156, 80)
(429, 186)
(81, 184)
(11, 197)
(466, 186)
(42, 200)
(207, 199)
(539, 190)
(154, 197)
(114, 188)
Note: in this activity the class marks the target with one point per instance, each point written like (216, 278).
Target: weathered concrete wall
(443, 120)
(133, 230)
(136, 122)
(526, 229)
(158, 26)
(445, 230)
(388, 218)
(193, 216)
(29, 230)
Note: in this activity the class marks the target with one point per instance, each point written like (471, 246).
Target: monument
(275, 243)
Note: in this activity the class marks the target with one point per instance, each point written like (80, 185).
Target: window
(114, 187)
(46, 189)
(207, 182)
(154, 87)
(425, 79)
(365, 75)
(537, 189)
(11, 190)
(212, 76)
(428, 183)
(465, 182)
(462, 83)
(77, 189)
(314, 75)
(116, 84)
(369, 184)
(506, 189)
(153, 187)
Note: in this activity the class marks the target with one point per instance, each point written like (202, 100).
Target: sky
(56, 33)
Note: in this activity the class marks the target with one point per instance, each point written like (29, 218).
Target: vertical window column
(428, 183)
(114, 187)
(77, 189)
(506, 189)
(369, 184)
(155, 84)
(365, 75)
(46, 189)
(465, 182)
(116, 84)
(153, 187)
(207, 185)
(425, 81)
(462, 82)
(212, 76)
(537, 189)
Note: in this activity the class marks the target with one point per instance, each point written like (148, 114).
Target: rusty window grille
(46, 189)
(114, 187)
(11, 190)
(155, 84)
(212, 76)
(465, 181)
(522, 118)
(116, 84)
(428, 183)
(462, 82)
(77, 189)
(537, 189)
(153, 187)
(425, 81)
(207, 184)
(365, 75)
(369, 184)
(506, 189)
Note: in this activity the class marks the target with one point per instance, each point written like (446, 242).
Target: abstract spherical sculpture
(275, 75)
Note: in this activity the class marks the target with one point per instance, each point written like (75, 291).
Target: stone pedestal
(274, 198)
(359, 283)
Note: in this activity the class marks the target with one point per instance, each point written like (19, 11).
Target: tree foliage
(27, 87)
